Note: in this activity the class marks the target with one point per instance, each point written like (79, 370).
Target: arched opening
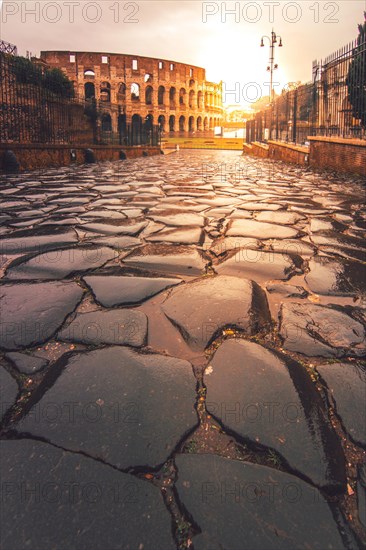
(191, 82)
(171, 123)
(148, 95)
(135, 92)
(182, 121)
(106, 123)
(199, 123)
(205, 124)
(149, 121)
(122, 128)
(182, 96)
(172, 93)
(89, 90)
(191, 99)
(161, 95)
(161, 122)
(136, 128)
(148, 77)
(200, 100)
(105, 92)
(89, 73)
(191, 124)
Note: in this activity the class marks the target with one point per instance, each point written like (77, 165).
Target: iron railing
(32, 113)
(333, 104)
(6, 47)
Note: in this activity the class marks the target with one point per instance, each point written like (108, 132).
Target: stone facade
(130, 88)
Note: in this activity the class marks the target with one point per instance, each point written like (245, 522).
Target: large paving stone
(119, 326)
(316, 330)
(260, 230)
(238, 505)
(180, 260)
(259, 265)
(27, 242)
(221, 246)
(271, 400)
(180, 219)
(347, 386)
(293, 247)
(31, 313)
(336, 277)
(281, 218)
(109, 229)
(202, 308)
(125, 407)
(56, 499)
(120, 243)
(116, 290)
(8, 391)
(182, 235)
(58, 264)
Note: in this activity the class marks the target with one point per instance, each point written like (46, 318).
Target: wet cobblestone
(180, 305)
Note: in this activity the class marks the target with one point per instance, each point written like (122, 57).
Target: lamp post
(272, 65)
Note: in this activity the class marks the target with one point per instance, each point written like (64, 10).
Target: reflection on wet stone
(271, 401)
(242, 505)
(52, 493)
(124, 407)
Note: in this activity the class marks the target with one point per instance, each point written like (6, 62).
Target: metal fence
(32, 113)
(333, 104)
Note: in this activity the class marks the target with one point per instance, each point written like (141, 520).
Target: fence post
(294, 121)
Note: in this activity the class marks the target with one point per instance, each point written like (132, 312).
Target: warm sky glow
(192, 32)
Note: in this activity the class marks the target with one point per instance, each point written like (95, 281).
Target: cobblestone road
(182, 340)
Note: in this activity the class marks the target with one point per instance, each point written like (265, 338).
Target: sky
(222, 37)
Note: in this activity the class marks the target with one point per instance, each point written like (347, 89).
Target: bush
(53, 80)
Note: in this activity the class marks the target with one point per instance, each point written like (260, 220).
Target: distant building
(134, 89)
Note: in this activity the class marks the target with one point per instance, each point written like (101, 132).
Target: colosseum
(132, 89)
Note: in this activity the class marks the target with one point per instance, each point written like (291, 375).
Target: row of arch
(172, 96)
(167, 124)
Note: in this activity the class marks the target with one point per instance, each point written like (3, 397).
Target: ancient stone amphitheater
(132, 89)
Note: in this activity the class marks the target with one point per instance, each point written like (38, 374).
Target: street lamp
(272, 66)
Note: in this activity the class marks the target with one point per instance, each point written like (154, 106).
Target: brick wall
(259, 150)
(340, 155)
(39, 156)
(286, 152)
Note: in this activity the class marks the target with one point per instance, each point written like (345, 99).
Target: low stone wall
(260, 150)
(38, 156)
(286, 152)
(325, 153)
(340, 155)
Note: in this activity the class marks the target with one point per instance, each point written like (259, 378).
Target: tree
(58, 83)
(356, 79)
(25, 71)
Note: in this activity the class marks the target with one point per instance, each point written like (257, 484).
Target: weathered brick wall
(286, 152)
(259, 150)
(40, 156)
(340, 155)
